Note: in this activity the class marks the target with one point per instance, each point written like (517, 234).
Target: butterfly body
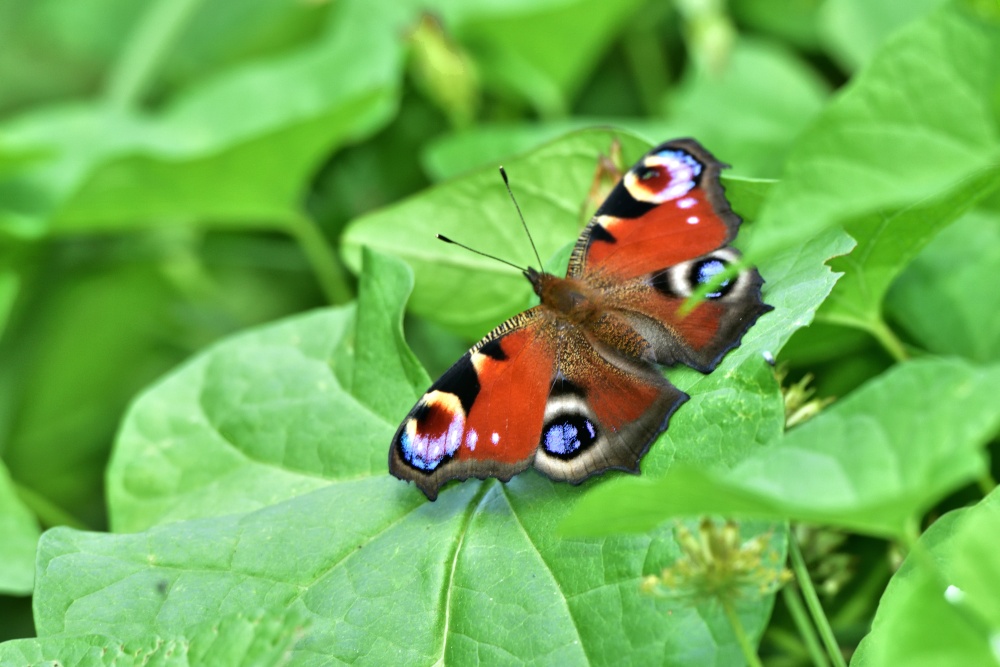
(571, 386)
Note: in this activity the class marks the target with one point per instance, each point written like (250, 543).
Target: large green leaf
(872, 463)
(912, 127)
(271, 415)
(943, 605)
(382, 576)
(237, 639)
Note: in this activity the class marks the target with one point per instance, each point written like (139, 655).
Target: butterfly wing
(663, 231)
(483, 417)
(576, 395)
(603, 411)
(532, 392)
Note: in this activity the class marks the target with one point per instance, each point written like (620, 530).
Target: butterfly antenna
(503, 172)
(478, 252)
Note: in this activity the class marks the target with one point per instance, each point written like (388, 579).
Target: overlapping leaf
(941, 607)
(20, 535)
(941, 299)
(871, 463)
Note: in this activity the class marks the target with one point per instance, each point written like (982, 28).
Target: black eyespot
(568, 435)
(705, 270)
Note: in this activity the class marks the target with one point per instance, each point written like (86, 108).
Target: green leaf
(71, 361)
(226, 149)
(240, 638)
(387, 376)
(542, 50)
(939, 300)
(20, 536)
(872, 463)
(551, 185)
(779, 96)
(386, 577)
(912, 127)
(941, 607)
(887, 242)
(487, 145)
(853, 30)
(271, 413)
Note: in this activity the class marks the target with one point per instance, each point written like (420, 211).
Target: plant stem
(813, 604)
(800, 616)
(741, 636)
(888, 339)
(148, 44)
(48, 513)
(329, 272)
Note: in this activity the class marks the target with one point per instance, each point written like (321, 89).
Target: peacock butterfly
(571, 386)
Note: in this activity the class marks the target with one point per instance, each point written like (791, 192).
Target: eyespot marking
(434, 432)
(568, 435)
(664, 176)
(705, 270)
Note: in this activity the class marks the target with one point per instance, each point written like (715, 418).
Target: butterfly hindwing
(603, 411)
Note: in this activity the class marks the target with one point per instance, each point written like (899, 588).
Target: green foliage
(873, 463)
(951, 577)
(216, 217)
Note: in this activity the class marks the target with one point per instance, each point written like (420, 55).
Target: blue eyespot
(705, 270)
(568, 435)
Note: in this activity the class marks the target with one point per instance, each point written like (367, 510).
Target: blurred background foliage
(175, 170)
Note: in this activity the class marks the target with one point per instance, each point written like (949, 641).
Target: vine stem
(813, 604)
(329, 272)
(741, 636)
(797, 610)
(148, 44)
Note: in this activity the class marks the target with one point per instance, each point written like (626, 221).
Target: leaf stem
(888, 339)
(48, 513)
(797, 610)
(813, 603)
(148, 44)
(329, 271)
(741, 636)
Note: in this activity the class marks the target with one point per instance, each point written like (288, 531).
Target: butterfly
(573, 386)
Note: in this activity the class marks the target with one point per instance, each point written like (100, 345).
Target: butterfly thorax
(569, 297)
